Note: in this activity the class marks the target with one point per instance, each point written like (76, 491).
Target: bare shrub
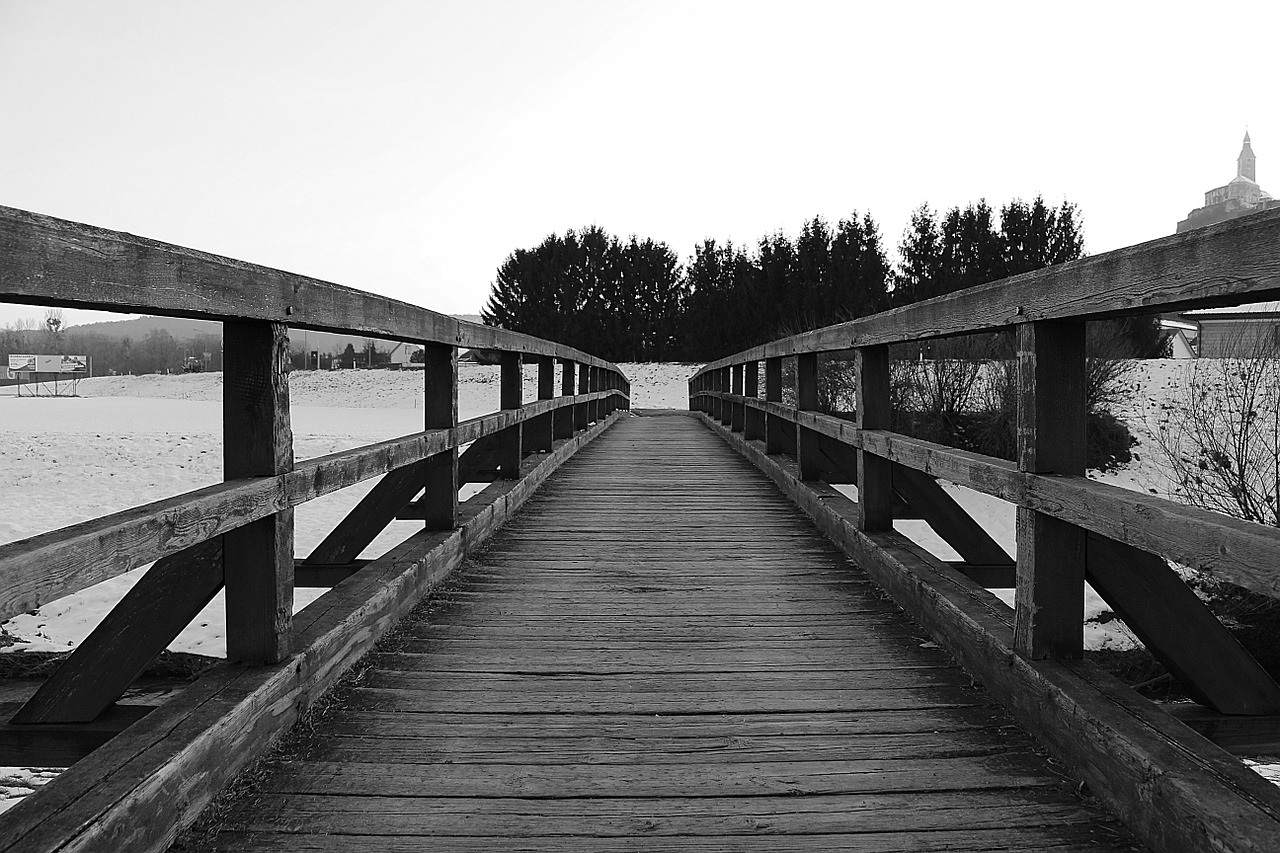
(1221, 440)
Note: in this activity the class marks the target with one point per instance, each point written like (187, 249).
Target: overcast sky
(407, 148)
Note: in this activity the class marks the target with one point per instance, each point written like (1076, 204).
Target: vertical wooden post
(564, 415)
(440, 499)
(257, 442)
(593, 385)
(726, 406)
(580, 412)
(739, 410)
(509, 450)
(540, 434)
(1049, 602)
(773, 440)
(807, 401)
(875, 484)
(753, 424)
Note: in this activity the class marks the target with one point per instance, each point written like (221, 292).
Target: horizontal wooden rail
(1224, 264)
(1233, 550)
(60, 562)
(55, 262)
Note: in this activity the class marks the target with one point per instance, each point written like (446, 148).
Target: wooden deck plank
(661, 653)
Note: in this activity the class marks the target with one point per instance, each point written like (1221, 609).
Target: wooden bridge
(649, 631)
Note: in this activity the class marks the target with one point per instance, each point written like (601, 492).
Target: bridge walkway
(660, 652)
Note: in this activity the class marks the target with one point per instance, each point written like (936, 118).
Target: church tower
(1246, 164)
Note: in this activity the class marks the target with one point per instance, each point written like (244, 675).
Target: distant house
(401, 356)
(1236, 331)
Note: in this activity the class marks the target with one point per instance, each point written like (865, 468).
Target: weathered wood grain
(1174, 789)
(51, 565)
(49, 261)
(142, 624)
(136, 792)
(257, 557)
(1226, 264)
(591, 679)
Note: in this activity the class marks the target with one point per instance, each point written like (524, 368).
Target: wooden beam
(1227, 548)
(1237, 735)
(1179, 630)
(737, 418)
(1226, 264)
(753, 418)
(948, 519)
(257, 442)
(564, 416)
(368, 518)
(581, 415)
(440, 411)
(511, 392)
(63, 744)
(1051, 440)
(773, 427)
(1175, 790)
(50, 261)
(875, 478)
(142, 624)
(122, 797)
(539, 432)
(807, 401)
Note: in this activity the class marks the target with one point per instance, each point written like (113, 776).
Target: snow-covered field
(133, 439)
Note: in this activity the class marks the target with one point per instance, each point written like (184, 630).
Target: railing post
(739, 408)
(753, 420)
(581, 414)
(540, 434)
(593, 408)
(511, 394)
(564, 414)
(807, 401)
(875, 485)
(440, 499)
(1052, 424)
(726, 407)
(257, 442)
(773, 438)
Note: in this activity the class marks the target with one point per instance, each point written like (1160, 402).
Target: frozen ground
(134, 439)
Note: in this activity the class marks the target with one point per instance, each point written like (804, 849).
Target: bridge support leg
(538, 432)
(258, 442)
(564, 415)
(875, 474)
(738, 419)
(581, 416)
(1049, 604)
(511, 393)
(440, 474)
(753, 418)
(773, 425)
(807, 447)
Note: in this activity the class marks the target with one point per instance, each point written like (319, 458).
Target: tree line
(633, 301)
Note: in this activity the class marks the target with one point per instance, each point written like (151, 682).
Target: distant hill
(183, 329)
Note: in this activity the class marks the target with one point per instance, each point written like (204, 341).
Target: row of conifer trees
(632, 300)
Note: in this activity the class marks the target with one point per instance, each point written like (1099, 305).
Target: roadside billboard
(48, 363)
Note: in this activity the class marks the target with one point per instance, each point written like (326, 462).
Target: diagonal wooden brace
(1178, 629)
(162, 603)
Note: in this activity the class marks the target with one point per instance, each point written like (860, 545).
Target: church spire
(1246, 163)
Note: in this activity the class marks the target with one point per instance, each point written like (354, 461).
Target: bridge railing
(238, 535)
(1069, 529)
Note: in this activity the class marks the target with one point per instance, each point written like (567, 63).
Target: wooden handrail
(1058, 508)
(50, 565)
(59, 263)
(1225, 264)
